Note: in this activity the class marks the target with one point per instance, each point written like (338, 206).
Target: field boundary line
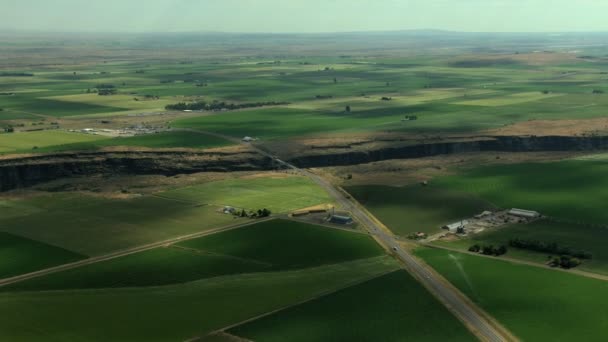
(118, 254)
(315, 297)
(585, 274)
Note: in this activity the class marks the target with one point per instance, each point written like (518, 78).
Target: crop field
(505, 100)
(158, 140)
(19, 255)
(196, 308)
(61, 219)
(535, 304)
(393, 306)
(578, 237)
(263, 247)
(279, 194)
(554, 189)
(412, 209)
(29, 142)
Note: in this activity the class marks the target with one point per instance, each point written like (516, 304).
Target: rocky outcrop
(356, 155)
(26, 171)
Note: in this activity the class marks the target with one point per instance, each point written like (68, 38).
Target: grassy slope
(174, 312)
(160, 140)
(289, 244)
(393, 307)
(19, 255)
(533, 303)
(267, 246)
(109, 224)
(416, 209)
(568, 190)
(24, 142)
(276, 194)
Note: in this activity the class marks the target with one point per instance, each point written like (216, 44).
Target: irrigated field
(29, 142)
(19, 255)
(411, 209)
(176, 312)
(263, 247)
(535, 304)
(280, 193)
(393, 307)
(62, 219)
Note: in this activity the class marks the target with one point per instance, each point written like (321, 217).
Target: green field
(159, 140)
(25, 142)
(176, 312)
(62, 219)
(263, 247)
(568, 190)
(279, 194)
(19, 255)
(393, 307)
(411, 209)
(577, 237)
(535, 304)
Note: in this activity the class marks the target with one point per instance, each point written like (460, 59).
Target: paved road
(92, 260)
(481, 324)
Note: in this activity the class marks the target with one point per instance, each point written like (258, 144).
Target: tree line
(15, 74)
(489, 250)
(214, 106)
(549, 247)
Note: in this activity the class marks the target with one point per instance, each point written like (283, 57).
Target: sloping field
(411, 209)
(535, 304)
(26, 141)
(19, 255)
(170, 313)
(393, 307)
(279, 194)
(262, 247)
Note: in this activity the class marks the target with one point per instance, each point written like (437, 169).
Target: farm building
(453, 228)
(529, 214)
(340, 219)
(248, 139)
(229, 210)
(483, 214)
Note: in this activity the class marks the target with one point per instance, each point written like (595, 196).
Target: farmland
(411, 209)
(360, 313)
(548, 300)
(20, 255)
(197, 308)
(62, 218)
(264, 247)
(29, 142)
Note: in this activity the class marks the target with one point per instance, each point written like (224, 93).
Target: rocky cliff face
(353, 156)
(27, 171)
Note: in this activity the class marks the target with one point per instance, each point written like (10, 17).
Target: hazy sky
(304, 15)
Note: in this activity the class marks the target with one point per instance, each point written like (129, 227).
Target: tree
(474, 249)
(347, 109)
(335, 80)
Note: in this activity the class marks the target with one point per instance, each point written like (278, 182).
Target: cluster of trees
(323, 97)
(564, 261)
(410, 118)
(15, 74)
(384, 98)
(253, 214)
(9, 129)
(550, 248)
(105, 89)
(598, 91)
(489, 250)
(202, 105)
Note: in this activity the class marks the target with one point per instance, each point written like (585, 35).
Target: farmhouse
(453, 228)
(340, 219)
(248, 139)
(529, 214)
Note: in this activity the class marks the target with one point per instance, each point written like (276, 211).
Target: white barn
(529, 214)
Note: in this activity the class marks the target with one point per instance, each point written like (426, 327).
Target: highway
(478, 322)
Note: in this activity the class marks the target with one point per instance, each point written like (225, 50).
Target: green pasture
(578, 237)
(25, 142)
(567, 190)
(411, 209)
(263, 247)
(393, 307)
(196, 308)
(279, 194)
(20, 255)
(534, 303)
